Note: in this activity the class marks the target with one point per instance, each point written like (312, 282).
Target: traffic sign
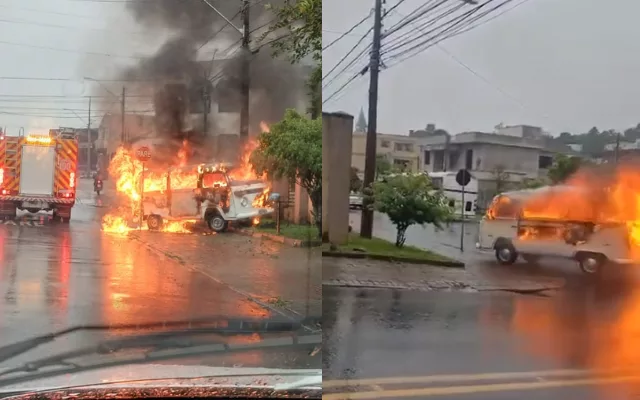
(463, 177)
(143, 154)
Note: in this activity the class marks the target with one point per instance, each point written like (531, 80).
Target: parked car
(355, 201)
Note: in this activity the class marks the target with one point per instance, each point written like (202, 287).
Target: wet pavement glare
(578, 343)
(55, 275)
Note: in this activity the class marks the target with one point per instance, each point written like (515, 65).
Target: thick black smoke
(275, 84)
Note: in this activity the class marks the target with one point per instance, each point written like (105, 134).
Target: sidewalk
(379, 274)
(280, 277)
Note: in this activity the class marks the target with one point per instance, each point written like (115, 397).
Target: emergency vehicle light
(45, 140)
(72, 180)
(1, 176)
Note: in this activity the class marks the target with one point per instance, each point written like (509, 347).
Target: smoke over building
(187, 81)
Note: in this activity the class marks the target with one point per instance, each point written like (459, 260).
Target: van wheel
(154, 222)
(506, 254)
(217, 223)
(591, 263)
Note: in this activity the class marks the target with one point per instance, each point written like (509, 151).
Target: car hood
(163, 375)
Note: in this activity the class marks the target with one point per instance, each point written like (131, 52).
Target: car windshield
(152, 272)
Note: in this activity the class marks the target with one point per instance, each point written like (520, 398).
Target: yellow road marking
(469, 389)
(396, 380)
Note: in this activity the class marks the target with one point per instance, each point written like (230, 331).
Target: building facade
(401, 151)
(500, 162)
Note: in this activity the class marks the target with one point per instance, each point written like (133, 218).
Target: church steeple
(361, 124)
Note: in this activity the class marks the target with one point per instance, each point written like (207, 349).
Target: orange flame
(599, 196)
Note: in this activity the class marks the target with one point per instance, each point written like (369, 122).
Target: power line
(489, 19)
(341, 88)
(91, 53)
(349, 53)
(397, 41)
(349, 31)
(431, 40)
(48, 25)
(420, 37)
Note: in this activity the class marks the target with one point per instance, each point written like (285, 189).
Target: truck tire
(216, 223)
(154, 222)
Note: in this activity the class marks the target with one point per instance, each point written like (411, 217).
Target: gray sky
(565, 65)
(60, 39)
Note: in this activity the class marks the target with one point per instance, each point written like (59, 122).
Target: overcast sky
(565, 65)
(61, 39)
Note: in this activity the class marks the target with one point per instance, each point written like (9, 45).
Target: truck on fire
(38, 173)
(520, 224)
(207, 192)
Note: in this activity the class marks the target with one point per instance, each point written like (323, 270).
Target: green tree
(532, 183)
(298, 26)
(293, 150)
(563, 167)
(355, 183)
(409, 200)
(501, 178)
(383, 166)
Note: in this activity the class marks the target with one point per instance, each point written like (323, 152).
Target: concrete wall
(337, 129)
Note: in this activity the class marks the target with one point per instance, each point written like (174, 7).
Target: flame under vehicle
(510, 231)
(215, 197)
(38, 173)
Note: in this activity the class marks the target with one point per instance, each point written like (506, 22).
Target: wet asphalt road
(397, 344)
(54, 276)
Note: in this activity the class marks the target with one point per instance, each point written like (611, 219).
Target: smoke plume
(180, 76)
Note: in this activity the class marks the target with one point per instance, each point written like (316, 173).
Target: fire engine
(38, 173)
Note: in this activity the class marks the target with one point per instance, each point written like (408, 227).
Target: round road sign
(463, 177)
(143, 154)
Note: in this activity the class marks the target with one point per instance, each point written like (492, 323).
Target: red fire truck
(38, 173)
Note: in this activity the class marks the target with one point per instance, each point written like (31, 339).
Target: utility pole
(206, 108)
(244, 80)
(123, 137)
(89, 138)
(366, 223)
(617, 153)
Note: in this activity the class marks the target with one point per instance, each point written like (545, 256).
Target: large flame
(128, 174)
(599, 196)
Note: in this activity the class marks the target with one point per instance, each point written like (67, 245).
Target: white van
(505, 232)
(215, 198)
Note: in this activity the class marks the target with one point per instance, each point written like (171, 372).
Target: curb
(279, 310)
(281, 239)
(531, 288)
(408, 260)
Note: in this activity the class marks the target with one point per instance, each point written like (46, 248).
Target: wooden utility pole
(245, 78)
(89, 139)
(205, 109)
(123, 137)
(366, 223)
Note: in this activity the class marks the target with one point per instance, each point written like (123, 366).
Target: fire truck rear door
(37, 169)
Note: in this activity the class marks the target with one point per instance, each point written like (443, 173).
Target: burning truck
(593, 219)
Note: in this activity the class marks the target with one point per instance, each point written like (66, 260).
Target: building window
(408, 147)
(385, 144)
(398, 146)
(469, 159)
(427, 157)
(545, 162)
